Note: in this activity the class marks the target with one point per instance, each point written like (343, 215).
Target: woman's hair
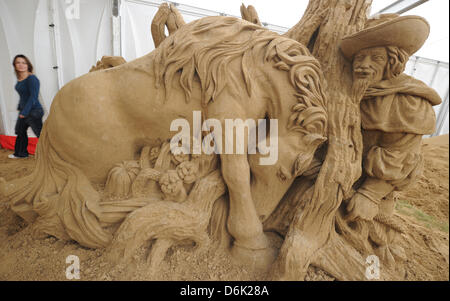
(30, 66)
(397, 59)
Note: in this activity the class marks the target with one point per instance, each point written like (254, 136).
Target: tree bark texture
(311, 231)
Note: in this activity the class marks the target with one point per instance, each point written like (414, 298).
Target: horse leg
(251, 245)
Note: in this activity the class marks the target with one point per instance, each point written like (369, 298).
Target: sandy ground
(423, 209)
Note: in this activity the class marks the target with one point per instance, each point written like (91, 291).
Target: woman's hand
(21, 116)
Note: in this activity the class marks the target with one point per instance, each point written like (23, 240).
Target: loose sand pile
(423, 209)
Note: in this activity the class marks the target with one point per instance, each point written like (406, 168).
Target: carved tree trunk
(311, 237)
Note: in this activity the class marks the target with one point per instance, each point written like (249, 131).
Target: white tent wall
(436, 75)
(136, 18)
(63, 47)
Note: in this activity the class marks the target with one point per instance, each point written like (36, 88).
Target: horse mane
(202, 50)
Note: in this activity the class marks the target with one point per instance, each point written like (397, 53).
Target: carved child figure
(396, 109)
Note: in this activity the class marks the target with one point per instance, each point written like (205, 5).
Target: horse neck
(272, 89)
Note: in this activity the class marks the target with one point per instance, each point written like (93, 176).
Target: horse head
(299, 104)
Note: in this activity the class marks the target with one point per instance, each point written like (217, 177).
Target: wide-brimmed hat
(406, 32)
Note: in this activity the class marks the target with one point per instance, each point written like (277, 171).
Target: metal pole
(56, 41)
(414, 66)
(443, 112)
(116, 28)
(401, 6)
(436, 69)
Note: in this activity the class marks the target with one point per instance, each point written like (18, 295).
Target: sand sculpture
(108, 62)
(350, 125)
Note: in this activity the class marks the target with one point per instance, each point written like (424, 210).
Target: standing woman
(30, 110)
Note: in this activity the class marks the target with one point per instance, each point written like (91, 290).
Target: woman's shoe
(12, 156)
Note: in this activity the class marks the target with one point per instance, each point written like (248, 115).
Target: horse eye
(283, 174)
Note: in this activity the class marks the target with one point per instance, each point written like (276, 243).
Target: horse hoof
(260, 259)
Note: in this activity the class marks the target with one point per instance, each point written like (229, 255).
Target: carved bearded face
(369, 64)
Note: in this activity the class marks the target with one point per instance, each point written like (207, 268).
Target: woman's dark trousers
(33, 120)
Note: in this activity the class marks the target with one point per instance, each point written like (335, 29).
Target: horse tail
(57, 198)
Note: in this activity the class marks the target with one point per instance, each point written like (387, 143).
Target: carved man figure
(396, 109)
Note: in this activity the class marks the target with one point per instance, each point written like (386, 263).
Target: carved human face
(369, 64)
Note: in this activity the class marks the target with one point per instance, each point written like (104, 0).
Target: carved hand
(188, 171)
(172, 187)
(180, 158)
(361, 207)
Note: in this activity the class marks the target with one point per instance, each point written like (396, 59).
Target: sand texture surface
(423, 209)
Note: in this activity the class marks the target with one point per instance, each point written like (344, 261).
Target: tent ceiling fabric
(84, 41)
